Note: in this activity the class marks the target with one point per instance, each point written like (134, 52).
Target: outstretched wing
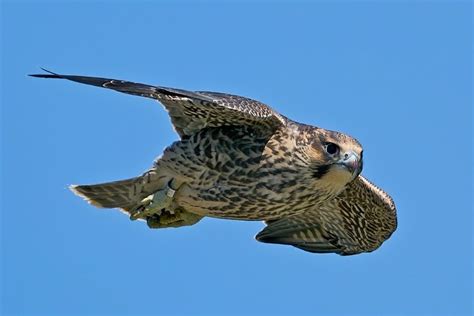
(191, 111)
(358, 220)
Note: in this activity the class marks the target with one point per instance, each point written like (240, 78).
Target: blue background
(395, 75)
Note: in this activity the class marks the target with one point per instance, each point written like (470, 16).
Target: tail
(107, 195)
(125, 194)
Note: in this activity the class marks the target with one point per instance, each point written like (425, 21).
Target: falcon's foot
(156, 203)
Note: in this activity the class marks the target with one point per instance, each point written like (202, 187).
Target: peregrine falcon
(237, 158)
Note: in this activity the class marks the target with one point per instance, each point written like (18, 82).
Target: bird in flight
(239, 159)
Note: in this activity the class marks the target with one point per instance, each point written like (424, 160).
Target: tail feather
(123, 194)
(108, 195)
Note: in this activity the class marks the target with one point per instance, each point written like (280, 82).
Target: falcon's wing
(191, 111)
(358, 220)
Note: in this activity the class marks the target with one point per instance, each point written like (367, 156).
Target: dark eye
(332, 148)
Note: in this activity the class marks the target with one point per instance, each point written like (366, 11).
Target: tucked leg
(156, 202)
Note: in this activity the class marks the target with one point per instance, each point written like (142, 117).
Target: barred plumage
(240, 159)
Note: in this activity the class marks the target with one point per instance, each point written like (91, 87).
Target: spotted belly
(238, 173)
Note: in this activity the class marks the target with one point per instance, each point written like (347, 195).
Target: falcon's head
(336, 159)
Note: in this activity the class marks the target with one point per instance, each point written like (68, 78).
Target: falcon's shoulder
(358, 220)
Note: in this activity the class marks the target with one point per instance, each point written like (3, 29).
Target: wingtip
(48, 71)
(49, 74)
(264, 237)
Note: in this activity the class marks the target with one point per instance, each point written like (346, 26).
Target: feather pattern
(237, 158)
(191, 111)
(358, 220)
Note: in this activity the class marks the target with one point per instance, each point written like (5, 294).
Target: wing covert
(358, 220)
(191, 115)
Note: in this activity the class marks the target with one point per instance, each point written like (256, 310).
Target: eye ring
(331, 148)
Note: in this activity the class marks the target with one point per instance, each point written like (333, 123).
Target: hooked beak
(352, 162)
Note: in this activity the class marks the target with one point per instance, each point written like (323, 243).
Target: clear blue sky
(396, 75)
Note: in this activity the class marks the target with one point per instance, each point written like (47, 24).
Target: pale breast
(237, 173)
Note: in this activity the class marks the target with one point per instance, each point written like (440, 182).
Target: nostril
(346, 156)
